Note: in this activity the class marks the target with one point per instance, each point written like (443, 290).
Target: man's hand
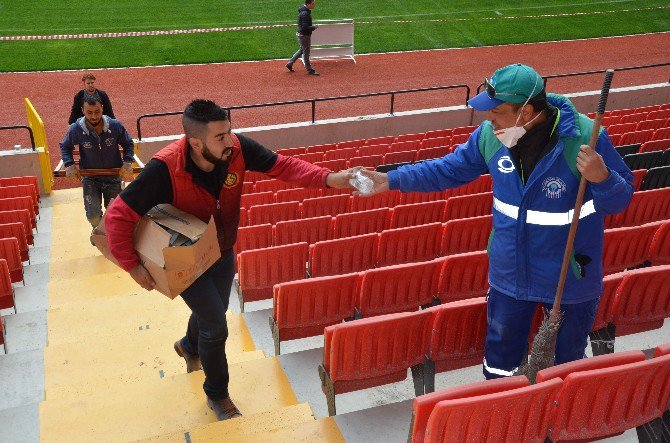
(380, 180)
(340, 180)
(72, 172)
(140, 274)
(591, 165)
(126, 172)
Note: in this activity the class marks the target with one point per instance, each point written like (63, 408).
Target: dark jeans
(95, 189)
(207, 328)
(305, 42)
(509, 322)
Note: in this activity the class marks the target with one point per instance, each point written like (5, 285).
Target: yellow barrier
(39, 133)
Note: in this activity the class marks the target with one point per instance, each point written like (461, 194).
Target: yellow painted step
(63, 196)
(88, 286)
(75, 246)
(78, 267)
(247, 426)
(162, 406)
(142, 355)
(324, 430)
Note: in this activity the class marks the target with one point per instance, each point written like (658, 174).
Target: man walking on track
(202, 174)
(536, 149)
(98, 138)
(304, 35)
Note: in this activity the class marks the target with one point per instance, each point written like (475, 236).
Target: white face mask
(510, 136)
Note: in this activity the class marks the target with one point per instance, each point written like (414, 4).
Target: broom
(544, 346)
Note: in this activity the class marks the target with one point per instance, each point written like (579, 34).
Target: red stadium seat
(662, 350)
(642, 136)
(407, 137)
(423, 405)
(435, 142)
(6, 290)
(17, 231)
(253, 237)
(257, 198)
(341, 153)
(9, 251)
(373, 352)
(661, 134)
(18, 203)
(24, 180)
(431, 153)
(406, 245)
(421, 197)
(255, 176)
(386, 140)
(458, 338)
(22, 216)
(466, 235)
(661, 113)
(412, 145)
(365, 151)
(291, 151)
(479, 185)
(273, 185)
(244, 217)
(659, 249)
(369, 161)
(307, 230)
(357, 223)
(626, 248)
(329, 205)
(605, 313)
(439, 133)
(21, 191)
(621, 128)
(464, 276)
(342, 256)
(609, 120)
(638, 176)
(645, 207)
(296, 195)
(303, 308)
(464, 130)
(273, 213)
(382, 200)
(398, 288)
(261, 269)
(642, 300)
(516, 415)
(415, 214)
(633, 118)
(334, 191)
(584, 407)
(321, 148)
(466, 206)
(333, 165)
(655, 145)
(247, 187)
(652, 124)
(399, 157)
(310, 157)
(459, 139)
(351, 144)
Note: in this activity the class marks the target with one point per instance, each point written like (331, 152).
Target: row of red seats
(638, 110)
(635, 116)
(303, 308)
(625, 134)
(587, 399)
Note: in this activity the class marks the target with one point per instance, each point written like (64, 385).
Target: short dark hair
(92, 100)
(200, 112)
(309, 2)
(539, 102)
(87, 76)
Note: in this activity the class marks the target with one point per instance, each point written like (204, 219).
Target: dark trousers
(509, 322)
(207, 329)
(95, 190)
(305, 42)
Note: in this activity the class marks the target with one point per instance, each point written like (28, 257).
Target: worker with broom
(535, 146)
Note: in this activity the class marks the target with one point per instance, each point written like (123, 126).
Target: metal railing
(30, 131)
(314, 101)
(600, 71)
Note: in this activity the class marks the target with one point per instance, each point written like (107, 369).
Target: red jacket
(120, 219)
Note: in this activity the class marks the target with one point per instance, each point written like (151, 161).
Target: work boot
(313, 72)
(289, 67)
(192, 361)
(224, 408)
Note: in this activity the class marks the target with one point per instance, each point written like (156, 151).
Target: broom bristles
(544, 346)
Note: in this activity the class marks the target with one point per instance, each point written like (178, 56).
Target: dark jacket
(78, 103)
(97, 152)
(305, 21)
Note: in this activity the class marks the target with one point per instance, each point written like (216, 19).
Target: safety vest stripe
(497, 371)
(544, 218)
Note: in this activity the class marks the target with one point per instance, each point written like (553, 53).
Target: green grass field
(461, 24)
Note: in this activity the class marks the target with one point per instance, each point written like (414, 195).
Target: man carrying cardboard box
(202, 174)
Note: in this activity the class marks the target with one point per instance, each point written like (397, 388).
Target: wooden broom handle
(604, 93)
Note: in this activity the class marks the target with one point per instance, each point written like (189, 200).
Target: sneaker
(313, 72)
(224, 409)
(192, 361)
(289, 67)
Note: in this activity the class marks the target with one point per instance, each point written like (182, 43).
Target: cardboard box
(173, 268)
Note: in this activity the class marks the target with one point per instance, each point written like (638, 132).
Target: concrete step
(89, 286)
(116, 411)
(72, 367)
(247, 426)
(74, 269)
(323, 430)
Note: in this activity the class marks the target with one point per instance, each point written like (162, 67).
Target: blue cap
(511, 84)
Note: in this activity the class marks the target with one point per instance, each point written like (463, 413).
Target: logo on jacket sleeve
(231, 180)
(505, 164)
(553, 187)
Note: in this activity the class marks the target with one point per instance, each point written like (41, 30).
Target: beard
(93, 123)
(207, 154)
